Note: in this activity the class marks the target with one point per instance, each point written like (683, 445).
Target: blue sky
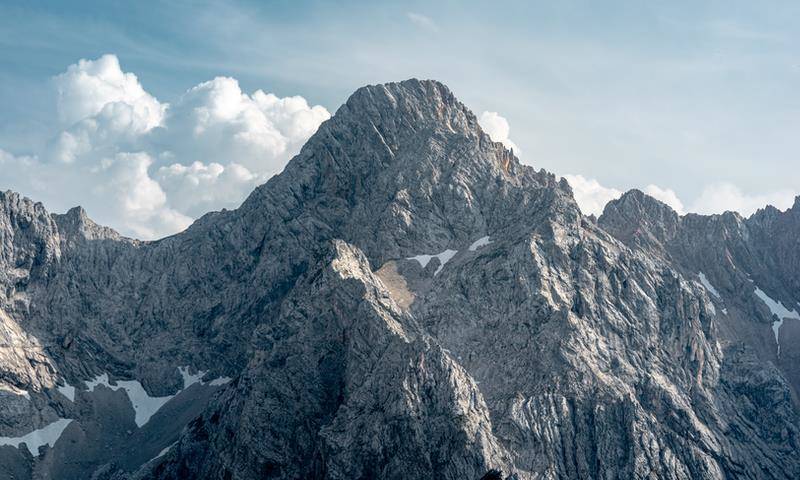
(699, 98)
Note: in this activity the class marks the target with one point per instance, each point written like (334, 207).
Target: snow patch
(777, 309)
(144, 405)
(98, 380)
(68, 391)
(713, 291)
(708, 286)
(189, 379)
(481, 242)
(164, 451)
(219, 381)
(422, 259)
(47, 435)
(443, 257)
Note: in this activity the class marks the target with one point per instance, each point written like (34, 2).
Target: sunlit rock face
(405, 300)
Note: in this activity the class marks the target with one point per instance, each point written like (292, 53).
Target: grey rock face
(405, 300)
(735, 255)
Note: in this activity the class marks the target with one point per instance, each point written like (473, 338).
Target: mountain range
(405, 300)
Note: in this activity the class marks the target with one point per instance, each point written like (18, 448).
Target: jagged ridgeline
(406, 300)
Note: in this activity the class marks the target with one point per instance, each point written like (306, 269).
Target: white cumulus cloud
(99, 88)
(216, 122)
(116, 190)
(720, 197)
(149, 168)
(125, 188)
(715, 198)
(591, 196)
(198, 188)
(498, 129)
(665, 195)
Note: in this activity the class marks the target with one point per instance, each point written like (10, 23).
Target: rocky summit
(405, 300)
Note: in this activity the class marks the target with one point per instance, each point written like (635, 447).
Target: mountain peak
(635, 204)
(638, 197)
(638, 218)
(410, 104)
(403, 168)
(77, 224)
(405, 90)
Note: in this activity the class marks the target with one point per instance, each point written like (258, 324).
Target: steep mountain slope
(405, 300)
(748, 266)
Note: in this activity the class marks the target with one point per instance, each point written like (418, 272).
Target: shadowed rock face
(369, 333)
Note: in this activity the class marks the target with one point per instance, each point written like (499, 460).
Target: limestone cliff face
(748, 269)
(405, 300)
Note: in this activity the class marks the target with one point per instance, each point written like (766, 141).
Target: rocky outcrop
(405, 300)
(742, 263)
